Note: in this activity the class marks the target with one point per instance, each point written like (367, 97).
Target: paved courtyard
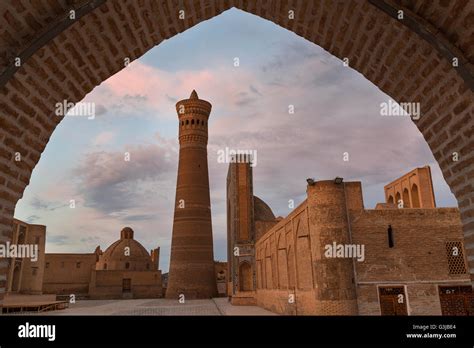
(216, 306)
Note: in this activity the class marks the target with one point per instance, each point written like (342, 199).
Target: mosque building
(124, 270)
(332, 256)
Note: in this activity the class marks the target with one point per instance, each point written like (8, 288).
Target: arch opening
(245, 277)
(47, 125)
(406, 198)
(415, 197)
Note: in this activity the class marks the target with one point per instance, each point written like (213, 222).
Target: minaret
(192, 258)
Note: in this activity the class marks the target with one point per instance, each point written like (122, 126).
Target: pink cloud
(156, 88)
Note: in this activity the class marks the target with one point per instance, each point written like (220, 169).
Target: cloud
(32, 218)
(39, 204)
(100, 110)
(57, 239)
(245, 100)
(103, 138)
(140, 217)
(42, 204)
(91, 240)
(171, 99)
(292, 53)
(110, 183)
(255, 90)
(146, 91)
(136, 98)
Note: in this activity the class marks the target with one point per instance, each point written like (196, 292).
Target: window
(147, 266)
(456, 300)
(192, 121)
(78, 265)
(105, 265)
(390, 200)
(455, 254)
(187, 122)
(390, 236)
(182, 123)
(47, 265)
(127, 265)
(34, 271)
(21, 235)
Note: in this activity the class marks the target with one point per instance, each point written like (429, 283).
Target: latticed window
(455, 254)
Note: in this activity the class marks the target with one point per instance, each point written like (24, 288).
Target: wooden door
(126, 285)
(393, 300)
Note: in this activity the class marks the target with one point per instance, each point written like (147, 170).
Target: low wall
(108, 284)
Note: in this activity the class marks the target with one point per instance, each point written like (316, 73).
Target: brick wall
(109, 284)
(62, 276)
(298, 278)
(418, 259)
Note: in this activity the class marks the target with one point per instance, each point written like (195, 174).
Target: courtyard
(215, 306)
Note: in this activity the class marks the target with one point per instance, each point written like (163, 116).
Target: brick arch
(415, 197)
(409, 59)
(245, 276)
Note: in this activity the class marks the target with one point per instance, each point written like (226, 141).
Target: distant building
(25, 275)
(412, 190)
(331, 256)
(124, 270)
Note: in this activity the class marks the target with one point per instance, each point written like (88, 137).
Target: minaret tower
(192, 257)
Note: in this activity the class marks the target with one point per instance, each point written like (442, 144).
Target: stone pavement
(216, 306)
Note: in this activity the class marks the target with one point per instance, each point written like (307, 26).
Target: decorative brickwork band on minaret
(192, 258)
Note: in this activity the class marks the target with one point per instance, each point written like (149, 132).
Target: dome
(126, 233)
(125, 254)
(262, 212)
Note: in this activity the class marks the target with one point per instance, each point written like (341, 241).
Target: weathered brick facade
(124, 270)
(410, 59)
(26, 274)
(295, 275)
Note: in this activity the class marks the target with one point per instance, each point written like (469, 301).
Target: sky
(336, 110)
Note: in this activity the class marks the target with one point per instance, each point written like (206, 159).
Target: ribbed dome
(262, 211)
(125, 254)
